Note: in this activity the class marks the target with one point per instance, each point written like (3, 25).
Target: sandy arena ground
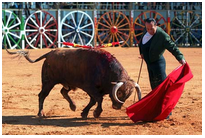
(21, 83)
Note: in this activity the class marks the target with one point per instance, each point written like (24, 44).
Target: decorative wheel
(113, 26)
(139, 24)
(41, 30)
(77, 27)
(11, 33)
(186, 29)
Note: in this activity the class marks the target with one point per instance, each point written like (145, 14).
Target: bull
(95, 71)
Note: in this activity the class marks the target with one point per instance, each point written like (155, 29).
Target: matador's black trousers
(157, 72)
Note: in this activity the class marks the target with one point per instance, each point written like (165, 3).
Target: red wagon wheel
(113, 26)
(139, 24)
(41, 30)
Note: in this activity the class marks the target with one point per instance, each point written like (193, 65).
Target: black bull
(95, 71)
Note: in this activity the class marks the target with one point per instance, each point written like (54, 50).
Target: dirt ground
(21, 83)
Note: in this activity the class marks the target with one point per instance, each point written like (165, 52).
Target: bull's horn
(114, 91)
(114, 83)
(138, 90)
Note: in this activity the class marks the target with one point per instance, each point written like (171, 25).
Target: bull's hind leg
(46, 88)
(64, 92)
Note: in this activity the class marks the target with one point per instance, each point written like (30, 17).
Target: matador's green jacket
(160, 42)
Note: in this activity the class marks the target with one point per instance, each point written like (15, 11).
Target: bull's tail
(26, 55)
(36, 60)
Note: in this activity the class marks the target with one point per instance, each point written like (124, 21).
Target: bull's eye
(119, 94)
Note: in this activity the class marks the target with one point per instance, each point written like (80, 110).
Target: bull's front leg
(98, 110)
(92, 102)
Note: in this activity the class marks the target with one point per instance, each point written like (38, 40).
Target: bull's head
(121, 91)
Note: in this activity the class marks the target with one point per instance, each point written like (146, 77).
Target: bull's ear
(114, 83)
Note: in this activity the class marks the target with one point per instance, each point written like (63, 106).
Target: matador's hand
(182, 62)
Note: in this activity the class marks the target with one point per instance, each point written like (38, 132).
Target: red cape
(158, 104)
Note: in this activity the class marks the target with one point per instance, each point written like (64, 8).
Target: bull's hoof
(72, 107)
(96, 113)
(41, 114)
(84, 115)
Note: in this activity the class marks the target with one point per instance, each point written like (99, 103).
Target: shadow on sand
(64, 121)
